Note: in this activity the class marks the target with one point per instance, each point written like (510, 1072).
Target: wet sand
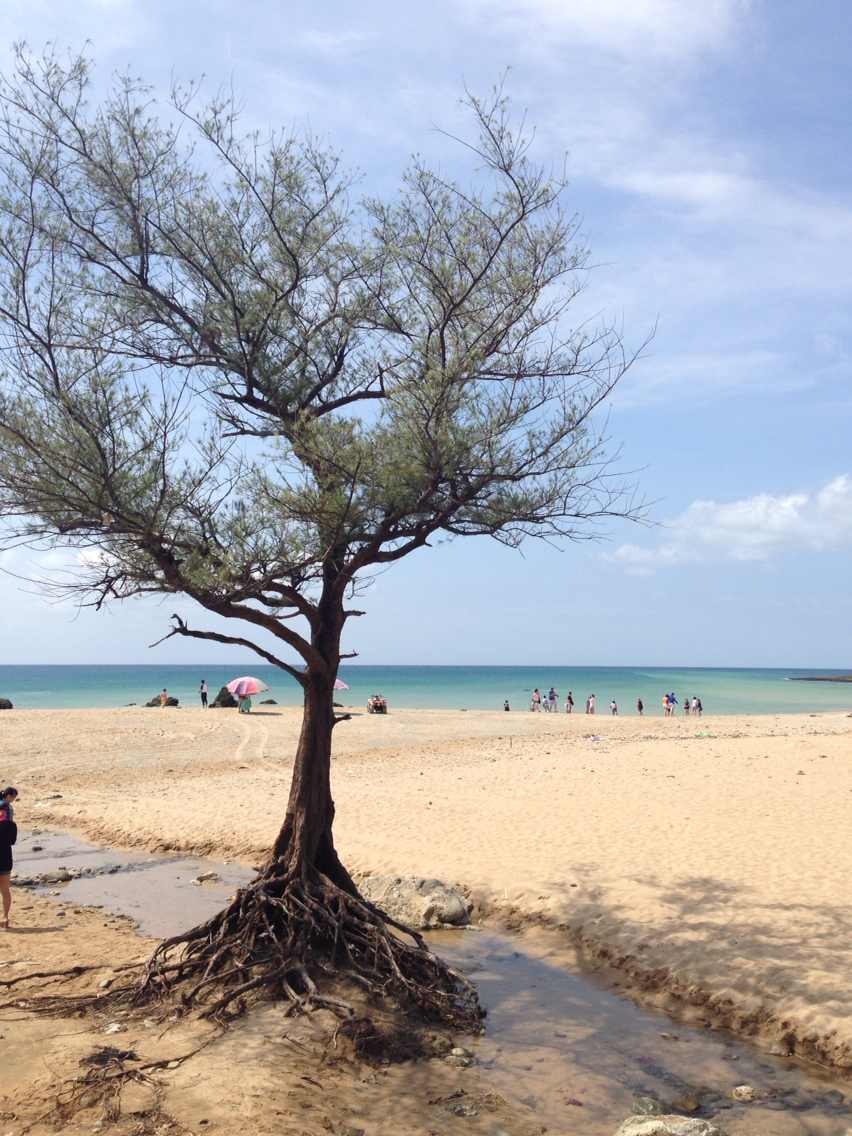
(708, 860)
(562, 1049)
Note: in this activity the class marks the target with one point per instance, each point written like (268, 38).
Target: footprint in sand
(262, 733)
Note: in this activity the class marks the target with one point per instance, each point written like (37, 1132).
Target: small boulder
(206, 878)
(5, 704)
(269, 702)
(155, 701)
(224, 700)
(667, 1126)
(745, 1093)
(418, 903)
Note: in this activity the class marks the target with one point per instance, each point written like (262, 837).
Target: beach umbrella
(339, 684)
(246, 684)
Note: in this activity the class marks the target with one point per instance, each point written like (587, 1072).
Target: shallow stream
(574, 1053)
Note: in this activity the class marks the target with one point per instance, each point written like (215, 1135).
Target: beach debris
(419, 903)
(105, 1055)
(667, 1126)
(115, 1027)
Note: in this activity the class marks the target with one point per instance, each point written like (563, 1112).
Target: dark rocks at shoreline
(155, 701)
(5, 704)
(224, 700)
(269, 702)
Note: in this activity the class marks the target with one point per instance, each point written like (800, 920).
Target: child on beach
(8, 836)
(569, 703)
(640, 707)
(613, 707)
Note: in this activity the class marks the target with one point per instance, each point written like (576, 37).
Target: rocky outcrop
(418, 903)
(269, 702)
(5, 704)
(224, 700)
(155, 701)
(667, 1126)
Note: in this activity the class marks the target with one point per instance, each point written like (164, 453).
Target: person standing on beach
(569, 703)
(164, 697)
(666, 706)
(8, 836)
(202, 690)
(553, 698)
(591, 703)
(613, 707)
(640, 707)
(506, 705)
(672, 702)
(686, 705)
(535, 703)
(697, 708)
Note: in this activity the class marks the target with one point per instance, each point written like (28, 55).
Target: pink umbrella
(246, 685)
(339, 684)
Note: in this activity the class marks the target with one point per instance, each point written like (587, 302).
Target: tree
(224, 379)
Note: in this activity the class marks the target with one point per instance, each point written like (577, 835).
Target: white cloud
(663, 27)
(752, 529)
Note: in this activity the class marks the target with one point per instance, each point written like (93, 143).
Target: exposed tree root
(290, 936)
(102, 1084)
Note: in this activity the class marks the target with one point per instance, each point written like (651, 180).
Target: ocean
(722, 691)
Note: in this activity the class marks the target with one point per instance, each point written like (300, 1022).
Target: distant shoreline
(821, 678)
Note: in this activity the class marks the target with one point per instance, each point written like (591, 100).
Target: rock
(268, 702)
(116, 1027)
(687, 1101)
(744, 1093)
(647, 1106)
(419, 903)
(465, 1110)
(460, 1051)
(458, 1061)
(155, 701)
(667, 1126)
(38, 848)
(206, 877)
(5, 704)
(224, 700)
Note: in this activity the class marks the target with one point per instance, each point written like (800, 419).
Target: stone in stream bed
(416, 902)
(667, 1126)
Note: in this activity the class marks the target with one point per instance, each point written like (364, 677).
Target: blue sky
(709, 157)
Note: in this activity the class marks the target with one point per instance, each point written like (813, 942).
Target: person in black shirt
(8, 836)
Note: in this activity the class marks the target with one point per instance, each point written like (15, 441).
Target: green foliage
(234, 382)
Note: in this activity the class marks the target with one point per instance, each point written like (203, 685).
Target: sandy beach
(709, 860)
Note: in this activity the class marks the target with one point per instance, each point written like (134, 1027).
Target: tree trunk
(304, 842)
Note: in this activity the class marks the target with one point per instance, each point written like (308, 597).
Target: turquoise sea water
(722, 691)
